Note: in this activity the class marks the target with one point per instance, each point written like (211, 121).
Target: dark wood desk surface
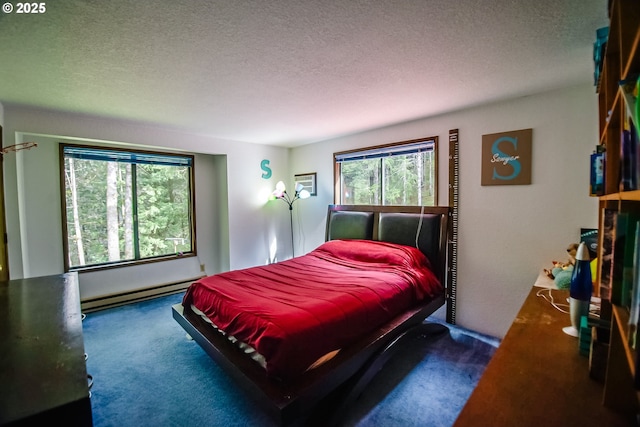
(43, 373)
(537, 376)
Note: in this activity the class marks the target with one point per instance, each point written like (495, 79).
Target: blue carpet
(147, 373)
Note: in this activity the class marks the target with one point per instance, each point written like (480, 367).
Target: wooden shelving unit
(621, 62)
(632, 196)
(621, 317)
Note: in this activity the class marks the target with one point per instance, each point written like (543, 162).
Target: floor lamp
(281, 193)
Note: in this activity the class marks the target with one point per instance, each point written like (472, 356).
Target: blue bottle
(580, 290)
(581, 285)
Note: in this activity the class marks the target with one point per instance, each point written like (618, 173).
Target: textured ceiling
(291, 72)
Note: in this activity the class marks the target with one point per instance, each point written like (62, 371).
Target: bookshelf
(632, 196)
(619, 198)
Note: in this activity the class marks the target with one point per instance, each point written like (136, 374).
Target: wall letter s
(264, 165)
(514, 163)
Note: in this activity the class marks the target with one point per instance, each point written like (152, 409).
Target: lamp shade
(304, 194)
(279, 191)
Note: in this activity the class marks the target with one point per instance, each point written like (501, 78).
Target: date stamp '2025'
(25, 8)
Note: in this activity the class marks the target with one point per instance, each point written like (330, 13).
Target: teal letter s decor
(264, 165)
(505, 159)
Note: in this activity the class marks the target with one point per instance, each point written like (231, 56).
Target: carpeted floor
(147, 373)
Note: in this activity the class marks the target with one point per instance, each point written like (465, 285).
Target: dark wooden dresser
(43, 375)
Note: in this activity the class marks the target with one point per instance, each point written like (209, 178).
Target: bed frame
(329, 389)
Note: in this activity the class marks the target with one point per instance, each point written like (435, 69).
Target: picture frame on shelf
(596, 187)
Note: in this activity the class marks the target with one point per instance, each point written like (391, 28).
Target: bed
(312, 331)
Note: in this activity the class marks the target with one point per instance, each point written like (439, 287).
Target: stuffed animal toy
(572, 249)
(562, 277)
(561, 271)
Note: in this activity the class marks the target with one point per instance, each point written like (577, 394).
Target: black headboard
(419, 230)
(428, 228)
(349, 225)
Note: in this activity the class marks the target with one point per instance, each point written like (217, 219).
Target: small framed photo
(308, 181)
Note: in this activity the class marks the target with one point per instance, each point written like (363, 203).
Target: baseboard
(113, 300)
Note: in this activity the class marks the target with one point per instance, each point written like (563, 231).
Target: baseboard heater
(113, 300)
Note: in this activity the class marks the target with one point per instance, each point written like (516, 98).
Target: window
(404, 173)
(124, 206)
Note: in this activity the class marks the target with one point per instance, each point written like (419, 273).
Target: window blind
(395, 150)
(109, 155)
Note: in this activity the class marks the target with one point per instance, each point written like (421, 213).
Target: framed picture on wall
(506, 158)
(308, 181)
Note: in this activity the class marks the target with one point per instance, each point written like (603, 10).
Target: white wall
(236, 226)
(507, 234)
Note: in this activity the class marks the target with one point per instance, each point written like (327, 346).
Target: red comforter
(295, 311)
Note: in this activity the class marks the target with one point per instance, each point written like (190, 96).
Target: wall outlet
(202, 268)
